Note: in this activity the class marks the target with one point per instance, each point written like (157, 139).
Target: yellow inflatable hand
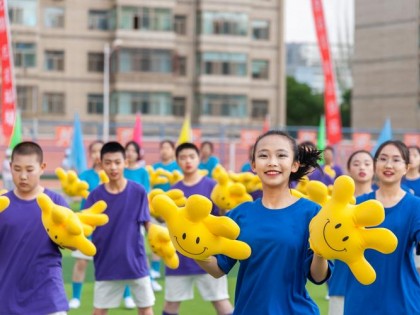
(157, 177)
(161, 245)
(93, 217)
(176, 195)
(175, 176)
(251, 181)
(196, 233)
(4, 203)
(64, 227)
(103, 178)
(339, 230)
(71, 184)
(226, 195)
(329, 171)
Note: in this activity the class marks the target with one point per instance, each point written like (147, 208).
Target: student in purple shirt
(121, 257)
(31, 279)
(180, 282)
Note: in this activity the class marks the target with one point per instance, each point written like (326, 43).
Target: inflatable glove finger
(63, 226)
(339, 231)
(71, 184)
(302, 185)
(176, 195)
(196, 233)
(251, 181)
(174, 177)
(156, 177)
(103, 178)
(161, 245)
(329, 171)
(4, 203)
(93, 217)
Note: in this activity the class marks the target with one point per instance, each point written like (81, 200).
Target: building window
(260, 69)
(146, 19)
(180, 24)
(23, 12)
(95, 104)
(129, 103)
(24, 55)
(99, 20)
(54, 60)
(145, 60)
(178, 107)
(95, 62)
(180, 66)
(260, 29)
(217, 63)
(54, 17)
(53, 103)
(259, 108)
(223, 105)
(26, 98)
(223, 23)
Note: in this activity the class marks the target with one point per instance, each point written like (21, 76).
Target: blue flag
(78, 155)
(385, 135)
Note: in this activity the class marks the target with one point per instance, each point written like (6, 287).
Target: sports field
(196, 306)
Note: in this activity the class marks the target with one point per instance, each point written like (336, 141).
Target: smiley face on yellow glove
(339, 230)
(196, 233)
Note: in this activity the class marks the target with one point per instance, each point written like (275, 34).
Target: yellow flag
(186, 131)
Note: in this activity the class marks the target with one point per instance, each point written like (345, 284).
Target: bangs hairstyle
(354, 154)
(307, 155)
(184, 146)
(137, 148)
(112, 147)
(405, 153)
(28, 148)
(171, 143)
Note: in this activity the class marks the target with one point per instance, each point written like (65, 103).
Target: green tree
(304, 107)
(345, 108)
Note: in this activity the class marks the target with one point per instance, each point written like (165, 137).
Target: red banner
(362, 141)
(332, 112)
(8, 92)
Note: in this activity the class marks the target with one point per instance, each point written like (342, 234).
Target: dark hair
(184, 146)
(112, 147)
(93, 143)
(137, 148)
(28, 148)
(171, 143)
(328, 147)
(210, 144)
(405, 154)
(357, 152)
(307, 155)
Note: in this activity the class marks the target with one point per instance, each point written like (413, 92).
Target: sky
(299, 22)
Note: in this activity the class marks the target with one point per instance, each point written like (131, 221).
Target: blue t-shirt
(396, 289)
(413, 185)
(272, 280)
(209, 165)
(170, 167)
(246, 167)
(31, 280)
(204, 187)
(120, 245)
(138, 175)
(92, 178)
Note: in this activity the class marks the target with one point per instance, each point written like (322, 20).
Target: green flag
(321, 136)
(17, 132)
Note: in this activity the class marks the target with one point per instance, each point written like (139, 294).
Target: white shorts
(108, 294)
(181, 288)
(336, 306)
(79, 255)
(58, 313)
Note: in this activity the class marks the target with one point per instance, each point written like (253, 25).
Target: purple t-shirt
(321, 176)
(31, 280)
(120, 245)
(204, 187)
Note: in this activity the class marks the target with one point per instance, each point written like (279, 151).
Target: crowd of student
(271, 281)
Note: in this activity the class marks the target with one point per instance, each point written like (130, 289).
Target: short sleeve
(225, 263)
(144, 212)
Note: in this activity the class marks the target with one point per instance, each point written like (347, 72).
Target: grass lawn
(196, 306)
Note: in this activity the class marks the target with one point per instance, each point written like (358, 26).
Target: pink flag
(266, 124)
(138, 130)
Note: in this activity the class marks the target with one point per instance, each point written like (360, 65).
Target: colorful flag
(17, 132)
(385, 135)
(8, 91)
(332, 111)
(321, 143)
(138, 130)
(266, 124)
(186, 131)
(78, 154)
